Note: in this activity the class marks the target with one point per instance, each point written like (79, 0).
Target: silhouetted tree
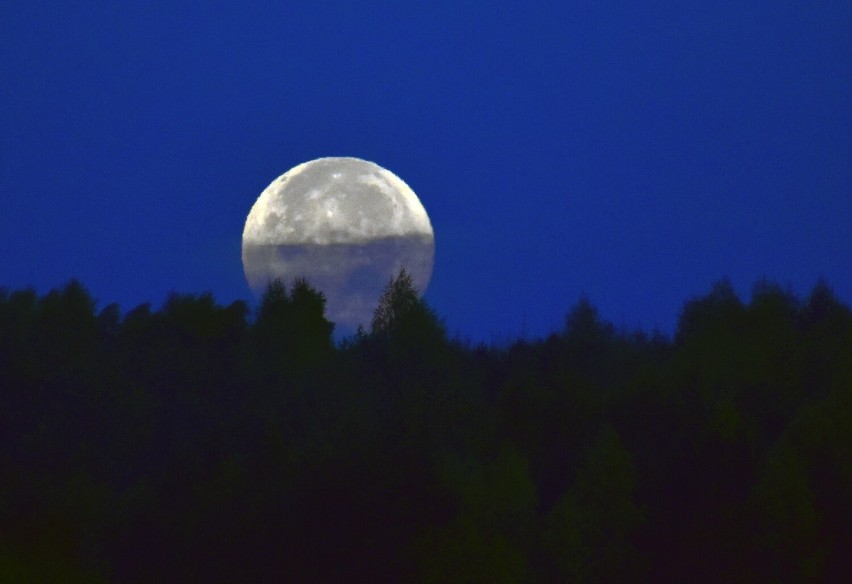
(584, 328)
(291, 329)
(398, 300)
(192, 443)
(722, 309)
(309, 322)
(273, 311)
(822, 305)
(403, 317)
(68, 329)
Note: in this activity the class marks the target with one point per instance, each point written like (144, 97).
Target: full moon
(345, 225)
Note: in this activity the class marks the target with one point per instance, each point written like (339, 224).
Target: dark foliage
(201, 443)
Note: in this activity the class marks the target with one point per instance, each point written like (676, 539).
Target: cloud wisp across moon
(347, 226)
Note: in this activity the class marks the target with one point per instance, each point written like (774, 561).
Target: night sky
(634, 152)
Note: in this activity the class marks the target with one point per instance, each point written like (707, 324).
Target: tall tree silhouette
(398, 300)
(309, 322)
(291, 332)
(192, 443)
(403, 315)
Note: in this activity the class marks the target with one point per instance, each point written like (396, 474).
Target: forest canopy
(207, 443)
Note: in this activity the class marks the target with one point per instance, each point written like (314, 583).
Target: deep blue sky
(632, 151)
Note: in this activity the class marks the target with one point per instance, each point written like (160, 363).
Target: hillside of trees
(204, 443)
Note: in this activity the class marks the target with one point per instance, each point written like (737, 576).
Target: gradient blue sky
(635, 152)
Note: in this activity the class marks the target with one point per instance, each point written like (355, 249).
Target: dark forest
(207, 443)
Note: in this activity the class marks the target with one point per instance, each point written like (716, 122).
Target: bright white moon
(344, 224)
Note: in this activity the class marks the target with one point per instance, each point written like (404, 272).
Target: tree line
(207, 443)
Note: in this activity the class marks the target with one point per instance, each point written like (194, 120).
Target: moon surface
(347, 226)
